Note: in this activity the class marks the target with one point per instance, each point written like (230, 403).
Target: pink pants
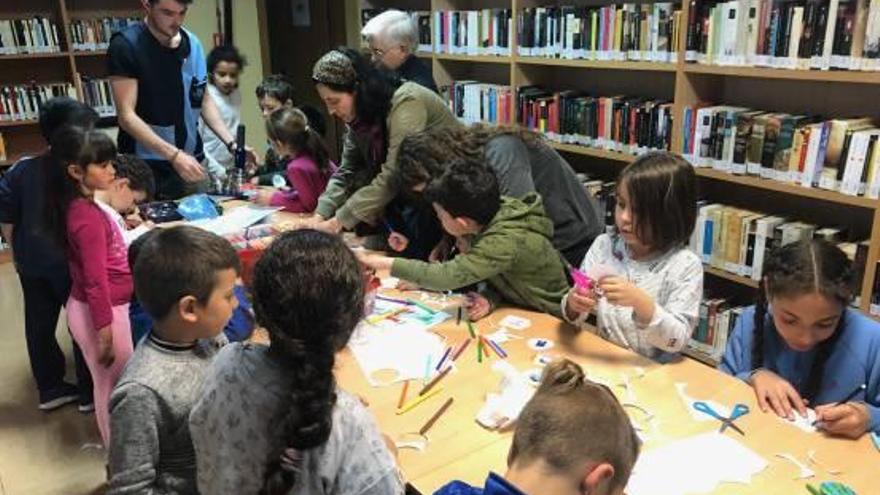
(79, 319)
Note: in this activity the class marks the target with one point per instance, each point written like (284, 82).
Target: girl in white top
(648, 285)
(225, 64)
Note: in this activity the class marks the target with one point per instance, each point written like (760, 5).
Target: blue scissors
(739, 410)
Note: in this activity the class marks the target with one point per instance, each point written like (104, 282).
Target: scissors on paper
(739, 410)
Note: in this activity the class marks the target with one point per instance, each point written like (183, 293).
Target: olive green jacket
(360, 190)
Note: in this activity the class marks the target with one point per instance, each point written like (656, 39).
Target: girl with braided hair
(271, 419)
(802, 344)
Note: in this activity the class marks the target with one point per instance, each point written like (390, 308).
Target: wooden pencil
(461, 349)
(443, 359)
(433, 382)
(424, 429)
(415, 402)
(403, 394)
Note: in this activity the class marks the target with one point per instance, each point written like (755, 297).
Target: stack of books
(98, 95)
(473, 101)
(473, 32)
(645, 32)
(616, 123)
(34, 35)
(838, 154)
(790, 34)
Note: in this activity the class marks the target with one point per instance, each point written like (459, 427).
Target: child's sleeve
(88, 239)
(134, 440)
(737, 359)
(674, 321)
(303, 195)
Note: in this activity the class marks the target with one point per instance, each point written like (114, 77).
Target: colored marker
(422, 306)
(461, 349)
(458, 318)
(428, 424)
(403, 394)
(418, 400)
(497, 348)
(480, 351)
(471, 329)
(394, 300)
(443, 359)
(433, 382)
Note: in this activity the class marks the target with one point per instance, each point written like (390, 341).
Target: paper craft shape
(390, 282)
(515, 322)
(670, 468)
(804, 424)
(688, 402)
(540, 344)
(805, 473)
(501, 410)
(397, 346)
(811, 456)
(236, 220)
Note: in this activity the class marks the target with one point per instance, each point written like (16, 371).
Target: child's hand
(579, 301)
(621, 292)
(477, 306)
(255, 181)
(105, 347)
(331, 226)
(263, 197)
(774, 392)
(397, 241)
(441, 250)
(374, 261)
(850, 420)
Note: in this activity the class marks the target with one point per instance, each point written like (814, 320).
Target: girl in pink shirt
(308, 165)
(97, 310)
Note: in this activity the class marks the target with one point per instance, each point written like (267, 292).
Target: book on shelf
(473, 102)
(838, 154)
(421, 19)
(37, 34)
(789, 34)
(3, 156)
(23, 101)
(616, 123)
(98, 95)
(473, 32)
(717, 319)
(94, 34)
(642, 32)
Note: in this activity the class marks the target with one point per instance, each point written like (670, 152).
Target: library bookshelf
(830, 93)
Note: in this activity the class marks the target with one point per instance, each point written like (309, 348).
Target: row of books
(791, 34)
(3, 156)
(23, 101)
(33, 35)
(837, 154)
(94, 34)
(605, 194)
(630, 31)
(737, 240)
(98, 95)
(473, 32)
(616, 123)
(718, 318)
(422, 20)
(473, 102)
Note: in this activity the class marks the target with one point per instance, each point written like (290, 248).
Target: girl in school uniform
(308, 165)
(97, 310)
(803, 345)
(649, 284)
(271, 419)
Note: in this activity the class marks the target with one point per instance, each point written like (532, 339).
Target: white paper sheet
(669, 469)
(688, 401)
(804, 424)
(236, 220)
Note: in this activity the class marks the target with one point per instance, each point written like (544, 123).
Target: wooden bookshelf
(715, 272)
(836, 76)
(597, 64)
(18, 123)
(34, 56)
(483, 59)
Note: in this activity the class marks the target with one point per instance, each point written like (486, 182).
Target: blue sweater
(855, 360)
(495, 485)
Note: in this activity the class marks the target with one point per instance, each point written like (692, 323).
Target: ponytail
(291, 127)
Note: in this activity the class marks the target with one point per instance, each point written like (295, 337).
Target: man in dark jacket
(393, 40)
(41, 263)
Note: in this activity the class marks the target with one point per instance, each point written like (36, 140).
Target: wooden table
(459, 448)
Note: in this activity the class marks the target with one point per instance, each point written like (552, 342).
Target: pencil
(422, 306)
(443, 359)
(433, 382)
(461, 349)
(458, 318)
(846, 399)
(480, 351)
(496, 348)
(424, 429)
(403, 394)
(394, 300)
(471, 329)
(418, 400)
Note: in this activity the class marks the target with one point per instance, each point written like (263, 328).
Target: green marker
(471, 329)
(420, 305)
(813, 490)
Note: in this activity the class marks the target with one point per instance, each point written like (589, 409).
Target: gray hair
(393, 26)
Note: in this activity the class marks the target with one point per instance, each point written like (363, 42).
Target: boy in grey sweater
(184, 278)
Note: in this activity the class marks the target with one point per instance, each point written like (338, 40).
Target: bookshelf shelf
(486, 59)
(18, 123)
(34, 56)
(701, 357)
(837, 76)
(715, 272)
(91, 53)
(597, 64)
(807, 192)
(594, 152)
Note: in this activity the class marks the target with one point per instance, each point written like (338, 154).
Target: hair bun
(562, 373)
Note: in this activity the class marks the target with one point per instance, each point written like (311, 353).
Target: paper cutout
(501, 336)
(806, 472)
(540, 344)
(545, 359)
(414, 441)
(501, 410)
(670, 468)
(393, 350)
(515, 322)
(697, 415)
(811, 456)
(804, 424)
(390, 282)
(236, 220)
(630, 395)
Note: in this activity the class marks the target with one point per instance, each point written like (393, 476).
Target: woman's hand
(398, 242)
(774, 392)
(331, 226)
(477, 306)
(578, 302)
(374, 261)
(105, 347)
(850, 420)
